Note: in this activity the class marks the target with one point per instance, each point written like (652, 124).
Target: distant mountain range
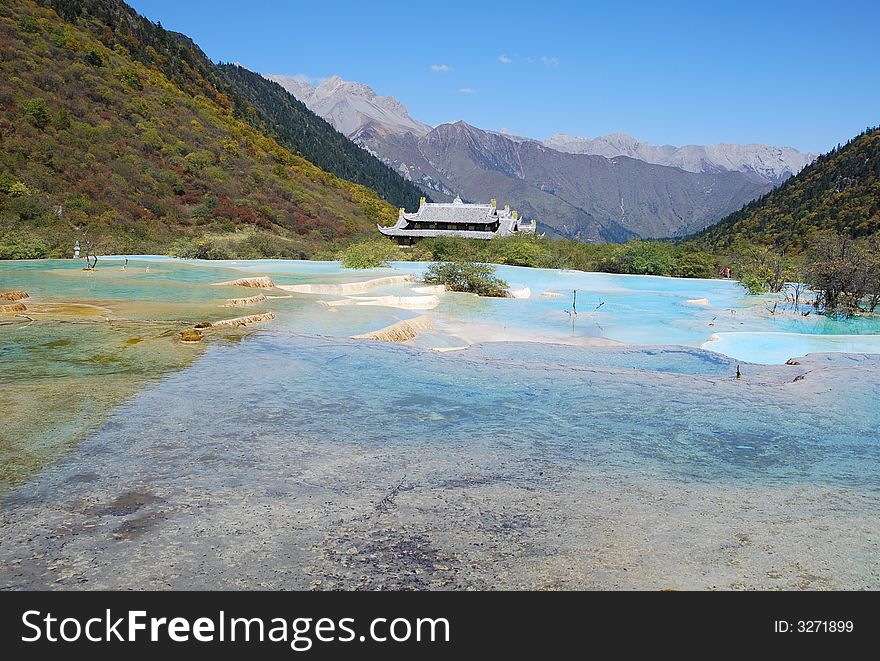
(579, 196)
(767, 164)
(607, 189)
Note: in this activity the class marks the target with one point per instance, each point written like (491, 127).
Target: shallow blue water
(672, 426)
(643, 310)
(672, 360)
(148, 280)
(241, 424)
(770, 348)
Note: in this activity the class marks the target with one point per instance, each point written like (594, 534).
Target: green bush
(466, 277)
(521, 251)
(61, 121)
(450, 248)
(195, 162)
(185, 248)
(692, 264)
(38, 112)
(23, 248)
(262, 246)
(754, 283)
(18, 189)
(642, 258)
(131, 78)
(28, 24)
(370, 255)
(205, 248)
(210, 249)
(93, 58)
(762, 266)
(12, 186)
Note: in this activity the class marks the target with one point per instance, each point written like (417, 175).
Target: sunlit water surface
(111, 391)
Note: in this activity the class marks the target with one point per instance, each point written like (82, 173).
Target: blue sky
(801, 74)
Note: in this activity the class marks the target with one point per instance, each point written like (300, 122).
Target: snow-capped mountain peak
(772, 164)
(352, 106)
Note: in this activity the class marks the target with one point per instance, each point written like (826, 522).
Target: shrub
(38, 112)
(754, 283)
(643, 258)
(8, 183)
(210, 249)
(205, 209)
(131, 78)
(844, 273)
(761, 267)
(521, 251)
(466, 277)
(205, 248)
(24, 248)
(93, 58)
(185, 248)
(449, 248)
(195, 162)
(62, 121)
(370, 255)
(18, 189)
(28, 24)
(694, 265)
(258, 246)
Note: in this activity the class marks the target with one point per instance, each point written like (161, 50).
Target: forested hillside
(106, 138)
(262, 103)
(839, 192)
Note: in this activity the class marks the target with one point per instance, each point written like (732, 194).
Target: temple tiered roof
(470, 221)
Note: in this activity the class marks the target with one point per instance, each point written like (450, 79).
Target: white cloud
(550, 61)
(505, 59)
(441, 67)
(467, 90)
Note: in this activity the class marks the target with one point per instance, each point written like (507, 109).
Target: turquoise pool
(642, 310)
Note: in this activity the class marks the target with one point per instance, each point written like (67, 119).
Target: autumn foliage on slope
(96, 144)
